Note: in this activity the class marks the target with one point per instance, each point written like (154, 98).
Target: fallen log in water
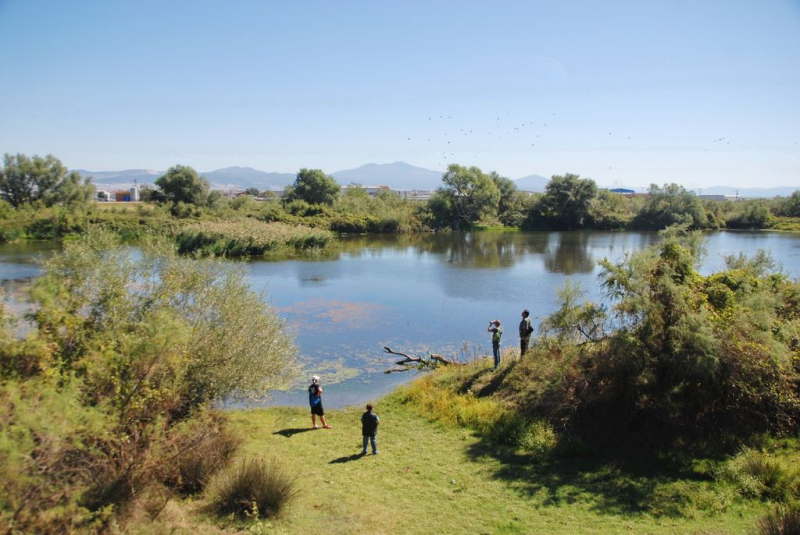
(411, 362)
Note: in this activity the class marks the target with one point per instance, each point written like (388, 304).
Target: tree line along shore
(41, 199)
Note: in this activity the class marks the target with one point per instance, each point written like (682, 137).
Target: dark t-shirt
(525, 328)
(314, 397)
(369, 424)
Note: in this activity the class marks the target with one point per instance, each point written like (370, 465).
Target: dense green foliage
(110, 393)
(314, 187)
(679, 354)
(791, 206)
(466, 197)
(25, 180)
(181, 185)
(565, 205)
(673, 205)
(512, 204)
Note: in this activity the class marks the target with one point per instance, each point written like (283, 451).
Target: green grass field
(431, 478)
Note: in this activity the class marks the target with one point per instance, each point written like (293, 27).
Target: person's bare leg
(324, 423)
(314, 421)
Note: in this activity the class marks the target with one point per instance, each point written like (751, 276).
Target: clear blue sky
(697, 92)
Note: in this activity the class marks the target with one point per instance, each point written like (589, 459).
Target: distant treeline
(41, 199)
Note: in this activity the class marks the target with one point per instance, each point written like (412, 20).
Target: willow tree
(26, 179)
(466, 196)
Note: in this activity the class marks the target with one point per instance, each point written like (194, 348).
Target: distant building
(372, 191)
(415, 194)
(624, 192)
(719, 197)
(126, 195)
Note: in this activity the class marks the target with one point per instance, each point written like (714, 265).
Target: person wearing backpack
(525, 330)
(497, 333)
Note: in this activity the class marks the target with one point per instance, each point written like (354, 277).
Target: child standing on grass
(369, 429)
(315, 400)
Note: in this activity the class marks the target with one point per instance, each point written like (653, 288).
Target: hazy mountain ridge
(396, 175)
(535, 183)
(247, 177)
(142, 176)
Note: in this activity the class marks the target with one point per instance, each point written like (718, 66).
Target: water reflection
(569, 254)
(562, 252)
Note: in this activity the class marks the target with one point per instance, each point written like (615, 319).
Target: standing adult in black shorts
(315, 400)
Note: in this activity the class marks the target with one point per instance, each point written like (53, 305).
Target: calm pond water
(424, 293)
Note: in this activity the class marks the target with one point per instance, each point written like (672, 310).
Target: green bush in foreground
(255, 488)
(108, 399)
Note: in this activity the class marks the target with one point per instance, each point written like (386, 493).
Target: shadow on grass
(347, 459)
(496, 379)
(288, 433)
(611, 482)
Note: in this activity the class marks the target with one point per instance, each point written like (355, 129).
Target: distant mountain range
(397, 176)
(142, 176)
(247, 177)
(535, 183)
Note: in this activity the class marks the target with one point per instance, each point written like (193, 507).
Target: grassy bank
(443, 478)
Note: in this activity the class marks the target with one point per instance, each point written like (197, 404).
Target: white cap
(315, 377)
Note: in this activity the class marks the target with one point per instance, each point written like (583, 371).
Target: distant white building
(719, 197)
(416, 194)
(372, 191)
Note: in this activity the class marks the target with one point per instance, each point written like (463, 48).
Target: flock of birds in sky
(450, 148)
(497, 132)
(534, 131)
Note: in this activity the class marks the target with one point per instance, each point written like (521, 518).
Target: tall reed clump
(254, 488)
(110, 396)
(197, 450)
(248, 237)
(781, 521)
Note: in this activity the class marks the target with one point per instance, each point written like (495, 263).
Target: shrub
(109, 396)
(254, 488)
(756, 475)
(781, 521)
(537, 436)
(51, 453)
(196, 451)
